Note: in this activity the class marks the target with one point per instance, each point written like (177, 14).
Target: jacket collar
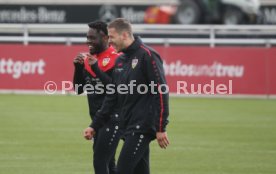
(106, 52)
(133, 47)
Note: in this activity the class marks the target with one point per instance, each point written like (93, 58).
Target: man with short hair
(143, 117)
(93, 71)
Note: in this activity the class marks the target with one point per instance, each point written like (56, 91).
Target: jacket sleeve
(155, 73)
(105, 77)
(103, 114)
(78, 79)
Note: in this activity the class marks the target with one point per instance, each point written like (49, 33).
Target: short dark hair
(99, 26)
(121, 24)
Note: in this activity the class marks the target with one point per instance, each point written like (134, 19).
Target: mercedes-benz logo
(107, 13)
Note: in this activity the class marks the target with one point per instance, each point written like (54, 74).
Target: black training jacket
(144, 113)
(100, 74)
(82, 77)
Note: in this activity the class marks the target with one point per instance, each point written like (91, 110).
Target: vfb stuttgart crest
(134, 63)
(106, 61)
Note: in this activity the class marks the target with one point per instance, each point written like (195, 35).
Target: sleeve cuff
(92, 125)
(95, 66)
(78, 66)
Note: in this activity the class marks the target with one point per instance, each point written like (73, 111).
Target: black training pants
(105, 143)
(134, 156)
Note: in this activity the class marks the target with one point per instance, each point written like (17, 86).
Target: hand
(89, 133)
(162, 139)
(91, 59)
(79, 59)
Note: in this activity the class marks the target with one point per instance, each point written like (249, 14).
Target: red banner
(244, 67)
(189, 70)
(30, 67)
(271, 71)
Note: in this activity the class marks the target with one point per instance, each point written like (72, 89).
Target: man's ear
(106, 37)
(125, 35)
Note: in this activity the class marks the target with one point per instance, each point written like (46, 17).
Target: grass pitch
(43, 135)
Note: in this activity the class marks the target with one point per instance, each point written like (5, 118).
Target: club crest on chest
(105, 61)
(134, 62)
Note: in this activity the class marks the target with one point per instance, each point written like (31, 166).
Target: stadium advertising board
(268, 15)
(247, 70)
(136, 14)
(244, 68)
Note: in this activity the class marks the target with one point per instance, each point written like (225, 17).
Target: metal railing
(213, 35)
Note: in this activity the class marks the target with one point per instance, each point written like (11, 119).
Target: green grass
(43, 135)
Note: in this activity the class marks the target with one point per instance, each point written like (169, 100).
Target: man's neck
(129, 42)
(104, 49)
